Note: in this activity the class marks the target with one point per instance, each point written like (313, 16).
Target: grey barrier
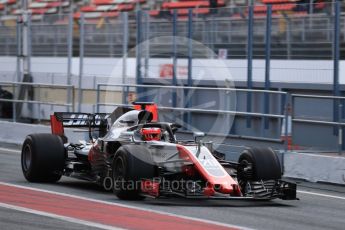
(338, 126)
(283, 117)
(15, 87)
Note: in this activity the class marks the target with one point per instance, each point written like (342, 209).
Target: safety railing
(338, 112)
(125, 89)
(37, 99)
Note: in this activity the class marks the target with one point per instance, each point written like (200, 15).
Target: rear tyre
(43, 158)
(264, 163)
(127, 173)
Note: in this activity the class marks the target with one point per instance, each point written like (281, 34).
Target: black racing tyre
(127, 172)
(43, 157)
(265, 165)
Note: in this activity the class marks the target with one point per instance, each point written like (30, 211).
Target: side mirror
(197, 135)
(145, 116)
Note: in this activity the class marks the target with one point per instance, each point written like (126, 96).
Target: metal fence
(49, 37)
(289, 119)
(8, 39)
(320, 118)
(40, 97)
(9, 33)
(235, 33)
(191, 117)
(193, 111)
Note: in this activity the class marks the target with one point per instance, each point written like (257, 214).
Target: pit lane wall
(315, 167)
(15, 133)
(310, 167)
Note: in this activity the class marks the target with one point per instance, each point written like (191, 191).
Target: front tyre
(127, 171)
(259, 169)
(43, 158)
(258, 164)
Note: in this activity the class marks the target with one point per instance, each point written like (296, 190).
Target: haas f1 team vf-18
(137, 156)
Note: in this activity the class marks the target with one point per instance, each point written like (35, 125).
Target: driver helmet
(151, 134)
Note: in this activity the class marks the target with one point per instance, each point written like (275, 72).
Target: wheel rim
(242, 179)
(119, 172)
(27, 157)
(245, 162)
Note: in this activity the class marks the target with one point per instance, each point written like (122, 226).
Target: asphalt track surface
(320, 206)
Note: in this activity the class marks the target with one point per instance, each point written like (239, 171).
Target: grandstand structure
(101, 8)
(296, 25)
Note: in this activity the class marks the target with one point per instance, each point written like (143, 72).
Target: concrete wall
(286, 71)
(315, 168)
(316, 136)
(15, 133)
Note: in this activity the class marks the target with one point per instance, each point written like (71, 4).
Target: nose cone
(225, 188)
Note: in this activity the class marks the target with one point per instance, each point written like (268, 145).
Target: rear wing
(80, 120)
(60, 120)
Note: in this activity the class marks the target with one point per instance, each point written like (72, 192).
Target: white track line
(10, 150)
(64, 218)
(130, 206)
(320, 194)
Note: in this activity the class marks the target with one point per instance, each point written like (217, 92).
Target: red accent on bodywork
(189, 170)
(56, 126)
(226, 183)
(209, 191)
(151, 108)
(91, 155)
(237, 190)
(150, 187)
(95, 154)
